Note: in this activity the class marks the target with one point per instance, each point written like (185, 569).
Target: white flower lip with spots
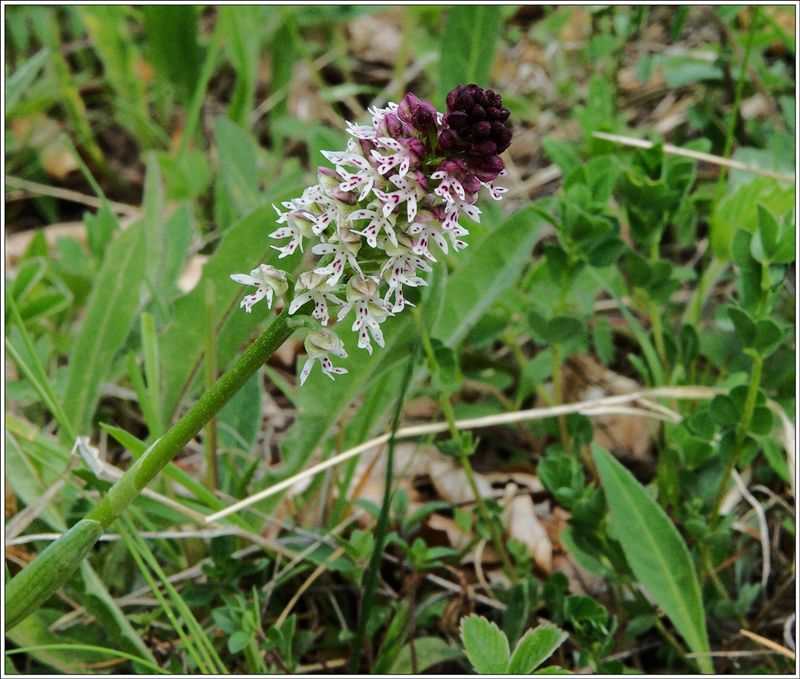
(374, 222)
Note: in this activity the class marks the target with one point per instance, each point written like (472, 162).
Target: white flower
(370, 310)
(408, 191)
(342, 253)
(379, 221)
(400, 270)
(427, 229)
(311, 287)
(298, 226)
(399, 157)
(267, 279)
(318, 344)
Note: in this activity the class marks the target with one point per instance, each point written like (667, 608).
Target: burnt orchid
(374, 221)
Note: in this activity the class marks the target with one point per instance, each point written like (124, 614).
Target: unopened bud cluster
(397, 190)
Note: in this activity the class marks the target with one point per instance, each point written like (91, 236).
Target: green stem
(210, 441)
(737, 100)
(741, 430)
(558, 392)
(32, 586)
(463, 456)
(709, 278)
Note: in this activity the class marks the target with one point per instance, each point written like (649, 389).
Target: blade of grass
(152, 370)
(136, 551)
(34, 371)
(128, 530)
(89, 647)
(370, 581)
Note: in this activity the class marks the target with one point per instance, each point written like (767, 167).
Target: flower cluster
(398, 189)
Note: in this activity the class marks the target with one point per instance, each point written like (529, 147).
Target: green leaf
(110, 313)
(485, 645)
(238, 167)
(100, 229)
(739, 209)
(428, 651)
(242, 30)
(765, 238)
(238, 641)
(239, 421)
(536, 646)
(562, 154)
(19, 81)
(33, 585)
(468, 43)
(563, 328)
(724, 411)
(745, 328)
(655, 551)
(768, 336)
(172, 47)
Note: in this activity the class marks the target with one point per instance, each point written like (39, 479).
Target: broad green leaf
(242, 30)
(33, 585)
(739, 210)
(239, 421)
(179, 229)
(110, 313)
(100, 229)
(656, 552)
(238, 169)
(536, 646)
(172, 45)
(428, 651)
(468, 44)
(485, 645)
(475, 286)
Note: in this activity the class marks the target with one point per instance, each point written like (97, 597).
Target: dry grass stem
(696, 155)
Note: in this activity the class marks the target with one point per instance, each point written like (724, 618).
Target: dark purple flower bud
(422, 180)
(453, 166)
(418, 113)
(471, 184)
(456, 120)
(486, 169)
(477, 112)
(482, 129)
(484, 148)
(391, 126)
(447, 142)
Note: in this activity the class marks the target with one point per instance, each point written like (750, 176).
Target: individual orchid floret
(342, 254)
(318, 344)
(370, 310)
(268, 281)
(399, 271)
(311, 287)
(298, 225)
(378, 221)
